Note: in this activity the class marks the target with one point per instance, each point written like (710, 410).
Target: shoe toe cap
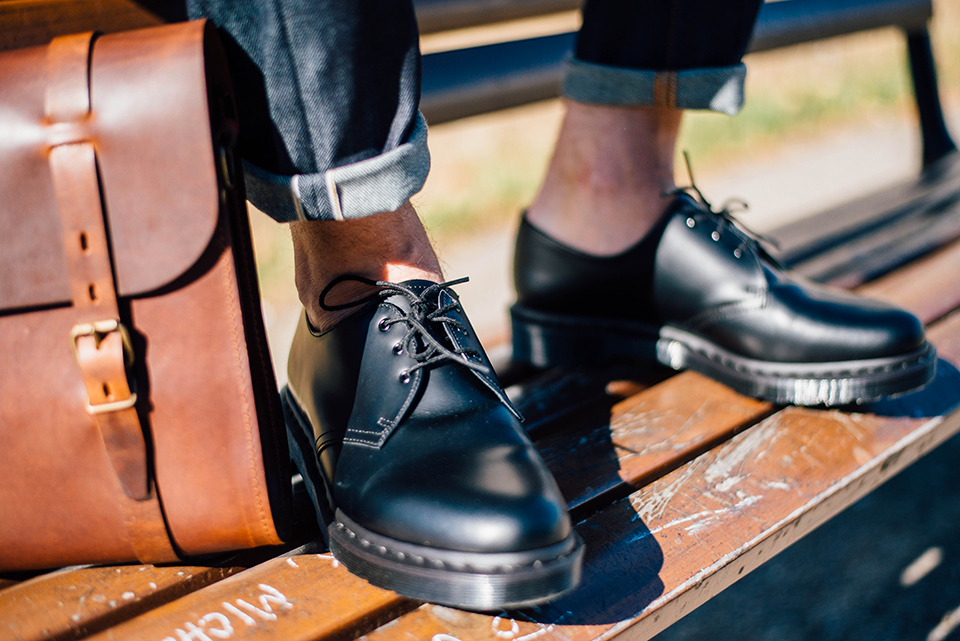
(848, 327)
(812, 324)
(498, 500)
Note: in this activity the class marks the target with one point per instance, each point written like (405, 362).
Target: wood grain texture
(930, 288)
(28, 23)
(607, 453)
(946, 336)
(551, 396)
(298, 597)
(667, 548)
(74, 603)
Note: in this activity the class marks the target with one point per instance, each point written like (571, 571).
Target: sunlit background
(823, 123)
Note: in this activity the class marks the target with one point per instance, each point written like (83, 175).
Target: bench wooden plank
(946, 336)
(78, 601)
(28, 23)
(863, 259)
(300, 596)
(644, 437)
(932, 191)
(666, 549)
(928, 288)
(72, 603)
(537, 397)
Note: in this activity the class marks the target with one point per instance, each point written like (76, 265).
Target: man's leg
(608, 268)
(636, 67)
(343, 120)
(422, 477)
(612, 163)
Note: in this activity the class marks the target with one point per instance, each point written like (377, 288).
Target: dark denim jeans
(328, 90)
(683, 54)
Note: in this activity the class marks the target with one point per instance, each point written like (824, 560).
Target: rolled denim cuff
(715, 88)
(371, 186)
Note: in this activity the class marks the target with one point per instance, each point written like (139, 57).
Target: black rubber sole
(469, 580)
(472, 580)
(550, 340)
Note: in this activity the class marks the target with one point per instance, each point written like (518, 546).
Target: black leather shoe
(426, 482)
(699, 292)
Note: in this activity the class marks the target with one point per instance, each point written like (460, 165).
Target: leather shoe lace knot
(419, 342)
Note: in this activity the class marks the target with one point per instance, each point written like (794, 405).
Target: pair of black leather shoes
(425, 482)
(699, 292)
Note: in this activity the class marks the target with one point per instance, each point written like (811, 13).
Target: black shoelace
(724, 216)
(418, 342)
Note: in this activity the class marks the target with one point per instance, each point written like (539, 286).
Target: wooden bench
(678, 486)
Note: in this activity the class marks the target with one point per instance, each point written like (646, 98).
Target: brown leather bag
(139, 418)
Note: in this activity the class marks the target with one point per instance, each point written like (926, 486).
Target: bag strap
(101, 343)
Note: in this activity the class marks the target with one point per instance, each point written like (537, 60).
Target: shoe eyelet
(398, 349)
(737, 253)
(691, 223)
(715, 236)
(404, 377)
(382, 325)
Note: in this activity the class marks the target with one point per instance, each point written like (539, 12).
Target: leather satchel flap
(154, 146)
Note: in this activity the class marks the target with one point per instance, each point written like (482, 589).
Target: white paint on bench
(217, 625)
(921, 567)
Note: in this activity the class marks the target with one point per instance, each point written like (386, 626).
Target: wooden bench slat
(295, 597)
(930, 288)
(946, 336)
(862, 260)
(810, 237)
(645, 436)
(660, 553)
(29, 23)
(72, 603)
(578, 391)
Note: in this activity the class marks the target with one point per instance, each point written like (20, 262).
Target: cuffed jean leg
(328, 93)
(683, 54)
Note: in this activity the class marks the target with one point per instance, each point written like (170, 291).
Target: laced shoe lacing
(419, 341)
(725, 219)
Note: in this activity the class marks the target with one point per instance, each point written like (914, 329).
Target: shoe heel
(304, 456)
(545, 341)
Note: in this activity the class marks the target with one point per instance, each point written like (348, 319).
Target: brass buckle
(99, 330)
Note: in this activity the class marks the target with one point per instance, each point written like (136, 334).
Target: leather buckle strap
(102, 347)
(102, 332)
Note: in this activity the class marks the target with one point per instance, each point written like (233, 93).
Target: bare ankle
(392, 246)
(602, 191)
